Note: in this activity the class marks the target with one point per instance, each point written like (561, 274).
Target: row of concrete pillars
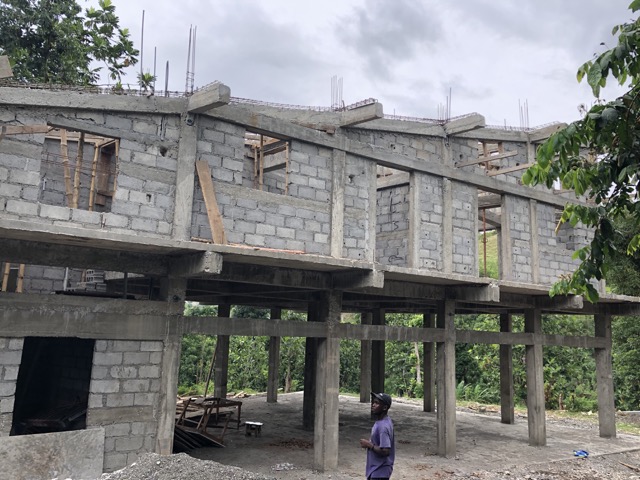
(322, 374)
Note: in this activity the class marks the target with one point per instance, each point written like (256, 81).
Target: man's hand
(364, 443)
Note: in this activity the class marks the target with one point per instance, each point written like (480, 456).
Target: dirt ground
(486, 448)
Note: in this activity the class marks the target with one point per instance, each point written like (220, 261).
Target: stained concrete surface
(78, 455)
(285, 450)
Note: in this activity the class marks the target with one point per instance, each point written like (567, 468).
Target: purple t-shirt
(381, 436)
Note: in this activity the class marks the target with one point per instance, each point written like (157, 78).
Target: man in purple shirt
(381, 449)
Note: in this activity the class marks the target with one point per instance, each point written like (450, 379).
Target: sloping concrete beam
(543, 133)
(196, 264)
(404, 126)
(464, 124)
(362, 114)
(211, 96)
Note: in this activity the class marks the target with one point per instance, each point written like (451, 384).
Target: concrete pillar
(377, 355)
(185, 181)
(429, 367)
(325, 434)
(535, 380)
(365, 362)
(338, 168)
(169, 392)
(274, 361)
(310, 354)
(507, 414)
(446, 380)
(604, 378)
(221, 367)
(447, 226)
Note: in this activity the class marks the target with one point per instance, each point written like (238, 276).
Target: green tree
(598, 158)
(51, 41)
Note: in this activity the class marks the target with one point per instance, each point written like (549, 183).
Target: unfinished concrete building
(116, 209)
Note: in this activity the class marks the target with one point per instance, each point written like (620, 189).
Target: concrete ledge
(362, 114)
(211, 96)
(464, 124)
(77, 454)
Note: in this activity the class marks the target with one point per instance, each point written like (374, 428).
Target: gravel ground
(620, 466)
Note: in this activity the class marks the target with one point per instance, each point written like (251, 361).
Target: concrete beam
(275, 276)
(485, 293)
(26, 97)
(464, 124)
(492, 220)
(490, 200)
(495, 134)
(408, 127)
(360, 115)
(357, 280)
(54, 255)
(59, 121)
(395, 180)
(541, 134)
(209, 97)
(196, 264)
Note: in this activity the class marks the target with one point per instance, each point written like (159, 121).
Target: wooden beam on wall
(213, 212)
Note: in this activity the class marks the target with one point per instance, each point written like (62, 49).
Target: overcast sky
(491, 54)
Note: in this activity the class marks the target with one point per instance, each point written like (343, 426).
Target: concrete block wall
(392, 225)
(412, 146)
(519, 215)
(124, 398)
(10, 358)
(556, 251)
(431, 216)
(465, 228)
(145, 192)
(463, 150)
(359, 208)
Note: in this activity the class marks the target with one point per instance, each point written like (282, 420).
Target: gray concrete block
(142, 399)
(136, 357)
(114, 461)
(7, 405)
(121, 371)
(9, 190)
(136, 386)
(12, 357)
(99, 373)
(104, 386)
(24, 177)
(7, 389)
(145, 225)
(149, 371)
(107, 358)
(120, 400)
(86, 217)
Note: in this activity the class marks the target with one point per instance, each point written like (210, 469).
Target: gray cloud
(382, 33)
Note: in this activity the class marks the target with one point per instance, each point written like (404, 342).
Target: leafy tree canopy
(50, 41)
(598, 157)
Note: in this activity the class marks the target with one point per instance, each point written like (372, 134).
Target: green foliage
(492, 254)
(598, 158)
(51, 41)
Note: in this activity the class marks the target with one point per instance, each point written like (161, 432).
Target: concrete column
(604, 378)
(337, 202)
(535, 380)
(185, 182)
(377, 355)
(365, 362)
(413, 242)
(446, 380)
(506, 374)
(274, 361)
(535, 241)
(505, 261)
(168, 392)
(221, 367)
(325, 434)
(429, 367)
(310, 355)
(372, 212)
(447, 226)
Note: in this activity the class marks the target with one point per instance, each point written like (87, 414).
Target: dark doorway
(52, 391)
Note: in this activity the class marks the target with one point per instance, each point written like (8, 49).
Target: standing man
(381, 449)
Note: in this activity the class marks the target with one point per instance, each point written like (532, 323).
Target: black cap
(383, 397)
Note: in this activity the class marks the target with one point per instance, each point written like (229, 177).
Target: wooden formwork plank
(213, 212)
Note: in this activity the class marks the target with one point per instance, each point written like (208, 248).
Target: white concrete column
(446, 380)
(168, 393)
(604, 378)
(429, 367)
(536, 415)
(221, 367)
(507, 413)
(325, 434)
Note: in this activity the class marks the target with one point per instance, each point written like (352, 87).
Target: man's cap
(383, 397)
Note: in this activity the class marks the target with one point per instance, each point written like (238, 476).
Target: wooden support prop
(509, 169)
(209, 194)
(255, 166)
(76, 177)
(94, 168)
(3, 132)
(25, 129)
(20, 278)
(5, 276)
(64, 153)
(486, 158)
(261, 180)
